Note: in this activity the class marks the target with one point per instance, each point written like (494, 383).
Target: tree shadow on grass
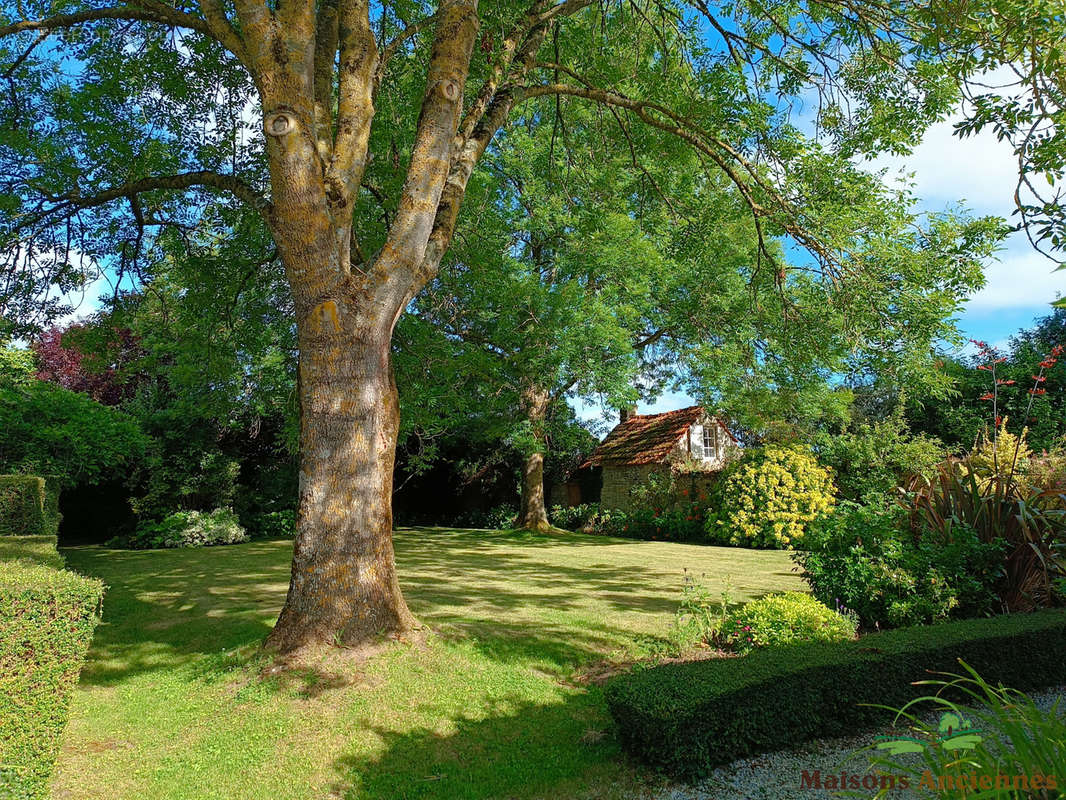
(169, 608)
(516, 749)
(207, 610)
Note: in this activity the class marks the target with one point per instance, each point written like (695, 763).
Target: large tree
(352, 129)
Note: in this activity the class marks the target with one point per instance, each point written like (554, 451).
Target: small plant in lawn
(699, 616)
(782, 619)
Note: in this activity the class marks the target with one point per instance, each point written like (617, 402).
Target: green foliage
(47, 617)
(16, 365)
(871, 459)
(1029, 525)
(959, 421)
(770, 497)
(48, 430)
(699, 616)
(29, 506)
(860, 558)
(496, 518)
(186, 529)
(273, 525)
(573, 518)
(781, 619)
(686, 718)
(1011, 736)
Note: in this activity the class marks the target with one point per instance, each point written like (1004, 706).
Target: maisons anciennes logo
(954, 734)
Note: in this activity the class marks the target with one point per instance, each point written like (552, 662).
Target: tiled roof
(644, 438)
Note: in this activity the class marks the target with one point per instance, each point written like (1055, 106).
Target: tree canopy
(350, 133)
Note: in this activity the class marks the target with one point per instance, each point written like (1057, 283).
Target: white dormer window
(710, 442)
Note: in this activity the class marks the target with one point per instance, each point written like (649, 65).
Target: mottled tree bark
(344, 586)
(533, 514)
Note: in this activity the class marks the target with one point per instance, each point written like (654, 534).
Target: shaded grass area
(174, 701)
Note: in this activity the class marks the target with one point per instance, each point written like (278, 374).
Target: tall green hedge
(47, 617)
(688, 718)
(29, 506)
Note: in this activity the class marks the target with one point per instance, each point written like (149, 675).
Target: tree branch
(69, 203)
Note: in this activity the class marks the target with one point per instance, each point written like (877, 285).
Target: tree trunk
(344, 587)
(533, 515)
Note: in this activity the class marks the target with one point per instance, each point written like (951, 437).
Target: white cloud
(981, 172)
(1021, 279)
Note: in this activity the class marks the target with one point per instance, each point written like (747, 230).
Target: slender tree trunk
(533, 515)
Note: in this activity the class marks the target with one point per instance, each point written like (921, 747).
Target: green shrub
(47, 617)
(770, 497)
(861, 558)
(687, 718)
(496, 518)
(780, 619)
(1029, 524)
(573, 518)
(29, 506)
(274, 524)
(48, 430)
(870, 461)
(186, 529)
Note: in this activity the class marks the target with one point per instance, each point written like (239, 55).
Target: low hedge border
(47, 617)
(29, 506)
(690, 717)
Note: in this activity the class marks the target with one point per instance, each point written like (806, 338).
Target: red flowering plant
(991, 359)
(1028, 524)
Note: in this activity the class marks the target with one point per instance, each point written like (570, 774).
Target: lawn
(174, 701)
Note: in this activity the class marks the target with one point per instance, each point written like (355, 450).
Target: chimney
(626, 413)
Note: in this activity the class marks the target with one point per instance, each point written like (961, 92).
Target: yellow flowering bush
(770, 497)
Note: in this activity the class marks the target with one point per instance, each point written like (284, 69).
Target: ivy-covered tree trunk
(533, 513)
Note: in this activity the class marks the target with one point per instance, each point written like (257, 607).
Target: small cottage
(689, 440)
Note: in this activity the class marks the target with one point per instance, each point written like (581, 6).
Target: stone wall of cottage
(619, 482)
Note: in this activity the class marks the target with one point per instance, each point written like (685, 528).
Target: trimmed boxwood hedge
(690, 717)
(29, 506)
(47, 617)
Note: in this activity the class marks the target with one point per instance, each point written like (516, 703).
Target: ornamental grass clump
(770, 498)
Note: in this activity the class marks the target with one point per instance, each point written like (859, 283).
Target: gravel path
(776, 776)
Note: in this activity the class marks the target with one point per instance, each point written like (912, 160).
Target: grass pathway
(172, 703)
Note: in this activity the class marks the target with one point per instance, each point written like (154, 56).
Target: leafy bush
(1030, 526)
(573, 518)
(48, 430)
(47, 617)
(186, 529)
(870, 461)
(29, 506)
(274, 524)
(862, 558)
(1035, 739)
(779, 619)
(687, 718)
(770, 497)
(496, 518)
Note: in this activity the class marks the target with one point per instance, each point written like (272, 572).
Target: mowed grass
(176, 701)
